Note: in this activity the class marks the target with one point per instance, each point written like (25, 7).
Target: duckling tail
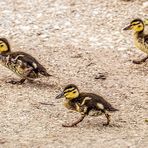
(44, 73)
(112, 109)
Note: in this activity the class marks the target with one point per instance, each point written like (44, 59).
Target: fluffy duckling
(140, 38)
(85, 103)
(23, 64)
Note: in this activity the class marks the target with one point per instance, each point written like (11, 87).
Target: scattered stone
(101, 76)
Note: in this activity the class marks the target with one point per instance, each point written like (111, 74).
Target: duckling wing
(31, 61)
(97, 102)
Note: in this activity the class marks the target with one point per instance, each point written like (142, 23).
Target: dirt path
(76, 40)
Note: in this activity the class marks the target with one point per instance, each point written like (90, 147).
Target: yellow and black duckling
(140, 38)
(85, 104)
(23, 64)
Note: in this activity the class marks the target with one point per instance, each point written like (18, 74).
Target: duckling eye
(1, 45)
(74, 92)
(134, 24)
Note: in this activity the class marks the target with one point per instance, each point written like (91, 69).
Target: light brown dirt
(76, 40)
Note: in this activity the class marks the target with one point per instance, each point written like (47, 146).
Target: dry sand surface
(76, 40)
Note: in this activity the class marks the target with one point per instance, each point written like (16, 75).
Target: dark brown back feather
(97, 99)
(30, 60)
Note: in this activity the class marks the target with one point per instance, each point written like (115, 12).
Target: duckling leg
(140, 61)
(108, 119)
(75, 123)
(16, 81)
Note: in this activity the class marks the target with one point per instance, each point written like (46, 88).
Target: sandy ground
(76, 40)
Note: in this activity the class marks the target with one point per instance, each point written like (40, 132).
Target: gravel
(76, 40)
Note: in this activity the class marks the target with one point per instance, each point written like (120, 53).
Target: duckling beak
(60, 95)
(128, 27)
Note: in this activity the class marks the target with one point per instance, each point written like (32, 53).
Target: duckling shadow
(41, 85)
(33, 84)
(101, 125)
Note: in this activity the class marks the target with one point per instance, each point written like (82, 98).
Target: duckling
(21, 63)
(140, 38)
(85, 103)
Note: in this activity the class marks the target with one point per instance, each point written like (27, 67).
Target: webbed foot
(74, 123)
(140, 61)
(68, 125)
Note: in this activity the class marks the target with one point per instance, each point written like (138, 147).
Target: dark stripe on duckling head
(69, 90)
(70, 86)
(137, 20)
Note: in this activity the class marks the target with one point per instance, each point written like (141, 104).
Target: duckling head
(137, 25)
(4, 46)
(70, 92)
